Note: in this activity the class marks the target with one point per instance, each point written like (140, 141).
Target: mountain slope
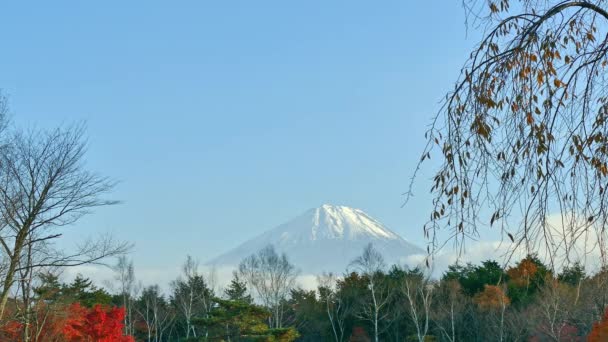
(327, 238)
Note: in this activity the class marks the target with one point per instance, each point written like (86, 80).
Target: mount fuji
(323, 239)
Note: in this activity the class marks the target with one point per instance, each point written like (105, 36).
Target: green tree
(236, 320)
(572, 275)
(474, 278)
(307, 313)
(237, 290)
(82, 290)
(526, 279)
(50, 288)
(191, 298)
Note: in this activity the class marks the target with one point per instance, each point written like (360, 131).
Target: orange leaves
(540, 77)
(521, 274)
(486, 101)
(533, 58)
(529, 118)
(604, 170)
(599, 332)
(493, 7)
(524, 72)
(491, 298)
(480, 127)
(514, 107)
(557, 83)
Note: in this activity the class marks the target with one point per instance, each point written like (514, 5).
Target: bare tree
(125, 276)
(336, 307)
(554, 307)
(153, 310)
(418, 292)
(450, 305)
(192, 296)
(31, 311)
(371, 265)
(272, 277)
(186, 301)
(44, 186)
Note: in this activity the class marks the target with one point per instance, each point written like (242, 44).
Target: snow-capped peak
(326, 238)
(332, 221)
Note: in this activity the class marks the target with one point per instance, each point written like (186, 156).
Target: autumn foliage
(75, 323)
(491, 298)
(521, 274)
(96, 324)
(600, 330)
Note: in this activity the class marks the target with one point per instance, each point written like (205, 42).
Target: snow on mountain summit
(336, 222)
(326, 238)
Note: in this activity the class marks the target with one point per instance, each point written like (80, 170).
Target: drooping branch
(523, 137)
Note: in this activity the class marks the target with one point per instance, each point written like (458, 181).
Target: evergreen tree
(49, 288)
(237, 320)
(82, 290)
(572, 275)
(237, 290)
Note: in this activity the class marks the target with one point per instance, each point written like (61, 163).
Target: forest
(371, 302)
(521, 138)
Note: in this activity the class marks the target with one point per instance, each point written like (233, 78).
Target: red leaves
(95, 324)
(600, 330)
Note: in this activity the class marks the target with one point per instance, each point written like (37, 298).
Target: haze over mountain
(327, 238)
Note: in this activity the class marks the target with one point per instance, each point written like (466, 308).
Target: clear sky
(222, 119)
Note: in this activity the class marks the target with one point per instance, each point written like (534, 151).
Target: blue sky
(224, 119)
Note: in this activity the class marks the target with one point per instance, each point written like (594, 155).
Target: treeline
(485, 302)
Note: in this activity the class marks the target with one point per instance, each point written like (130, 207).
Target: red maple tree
(600, 330)
(96, 324)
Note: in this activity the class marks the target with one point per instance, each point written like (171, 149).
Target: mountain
(327, 238)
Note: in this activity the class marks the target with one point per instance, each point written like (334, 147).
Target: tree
(83, 291)
(572, 275)
(237, 290)
(371, 264)
(554, 308)
(192, 297)
(272, 276)
(474, 278)
(450, 305)
(525, 128)
(42, 312)
(526, 279)
(152, 308)
(600, 330)
(44, 186)
(352, 289)
(336, 307)
(237, 320)
(125, 275)
(96, 324)
(494, 302)
(418, 292)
